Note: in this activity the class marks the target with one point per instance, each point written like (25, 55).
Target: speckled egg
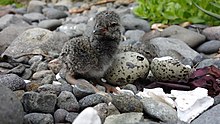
(126, 68)
(169, 69)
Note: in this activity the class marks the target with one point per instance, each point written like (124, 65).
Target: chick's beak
(99, 31)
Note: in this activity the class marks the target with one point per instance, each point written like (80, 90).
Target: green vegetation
(10, 2)
(177, 11)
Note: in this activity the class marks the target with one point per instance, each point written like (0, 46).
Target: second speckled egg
(126, 68)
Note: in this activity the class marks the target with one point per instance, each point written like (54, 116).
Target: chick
(90, 57)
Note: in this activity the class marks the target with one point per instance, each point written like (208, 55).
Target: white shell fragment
(157, 94)
(169, 69)
(191, 103)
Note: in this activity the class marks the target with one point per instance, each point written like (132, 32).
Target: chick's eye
(113, 24)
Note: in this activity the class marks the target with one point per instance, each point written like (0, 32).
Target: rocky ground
(33, 90)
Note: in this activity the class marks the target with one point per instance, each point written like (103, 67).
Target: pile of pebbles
(33, 36)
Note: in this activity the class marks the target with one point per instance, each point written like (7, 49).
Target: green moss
(176, 11)
(9, 2)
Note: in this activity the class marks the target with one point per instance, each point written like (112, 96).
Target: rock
(190, 104)
(66, 87)
(87, 116)
(50, 24)
(12, 81)
(80, 19)
(38, 118)
(193, 39)
(52, 13)
(127, 103)
(11, 109)
(49, 89)
(104, 110)
(35, 6)
(36, 58)
(36, 41)
(92, 100)
(42, 66)
(208, 62)
(61, 7)
(73, 30)
(209, 47)
(6, 65)
(19, 94)
(126, 68)
(9, 19)
(171, 47)
(131, 87)
(212, 33)
(125, 118)
(134, 34)
(159, 110)
(34, 17)
(35, 102)
(32, 86)
(71, 116)
(17, 70)
(27, 74)
(6, 39)
(41, 74)
(60, 115)
(83, 88)
(211, 116)
(169, 69)
(216, 100)
(66, 100)
(130, 22)
(48, 79)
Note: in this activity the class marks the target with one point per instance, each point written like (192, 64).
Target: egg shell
(169, 69)
(126, 68)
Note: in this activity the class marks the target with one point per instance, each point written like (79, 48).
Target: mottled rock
(27, 74)
(36, 41)
(42, 66)
(130, 22)
(66, 100)
(11, 109)
(71, 116)
(32, 86)
(212, 33)
(38, 118)
(104, 110)
(134, 34)
(127, 103)
(209, 47)
(87, 116)
(211, 116)
(131, 87)
(36, 58)
(50, 24)
(60, 115)
(93, 99)
(35, 102)
(41, 74)
(159, 110)
(12, 81)
(49, 89)
(125, 118)
(17, 70)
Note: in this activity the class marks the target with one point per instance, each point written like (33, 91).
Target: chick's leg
(70, 78)
(109, 88)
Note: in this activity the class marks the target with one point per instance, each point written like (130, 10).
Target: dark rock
(12, 81)
(35, 6)
(212, 33)
(130, 22)
(193, 39)
(66, 87)
(83, 88)
(27, 74)
(38, 118)
(159, 110)
(104, 110)
(9, 19)
(11, 109)
(125, 118)
(42, 74)
(93, 99)
(131, 87)
(71, 116)
(209, 47)
(42, 66)
(66, 100)
(127, 103)
(48, 79)
(6, 65)
(18, 69)
(37, 40)
(34, 17)
(208, 62)
(216, 100)
(171, 47)
(210, 116)
(50, 24)
(35, 102)
(49, 89)
(60, 115)
(52, 13)
(61, 7)
(32, 86)
(134, 34)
